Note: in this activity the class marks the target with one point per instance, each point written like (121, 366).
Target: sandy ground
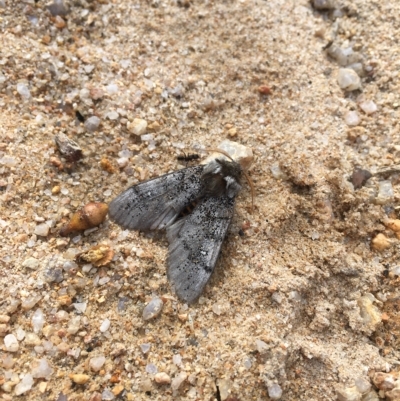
(300, 307)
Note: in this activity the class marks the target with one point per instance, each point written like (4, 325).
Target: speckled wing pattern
(194, 245)
(195, 240)
(155, 204)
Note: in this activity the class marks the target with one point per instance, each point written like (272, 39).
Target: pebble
(92, 123)
(97, 362)
(352, 118)
(363, 385)
(370, 314)
(344, 56)
(38, 321)
(11, 343)
(42, 230)
(393, 395)
(153, 309)
(384, 381)
(32, 339)
(112, 89)
(371, 396)
(348, 79)
(42, 370)
(107, 395)
(360, 177)
(177, 359)
(105, 325)
(79, 378)
(385, 192)
(151, 368)
(31, 263)
(393, 224)
(30, 302)
(23, 90)
(112, 115)
(380, 243)
(137, 126)
(24, 385)
(145, 348)
(162, 378)
(80, 306)
(275, 391)
(324, 4)
(261, 346)
(368, 107)
(8, 161)
(58, 8)
(348, 394)
(178, 380)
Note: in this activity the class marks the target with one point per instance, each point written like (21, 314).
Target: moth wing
(194, 246)
(155, 204)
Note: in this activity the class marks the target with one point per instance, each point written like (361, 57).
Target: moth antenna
(248, 179)
(250, 182)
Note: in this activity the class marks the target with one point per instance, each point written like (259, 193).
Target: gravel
(304, 297)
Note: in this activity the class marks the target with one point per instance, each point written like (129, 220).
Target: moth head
(222, 177)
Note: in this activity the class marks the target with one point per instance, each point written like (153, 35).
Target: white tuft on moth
(194, 239)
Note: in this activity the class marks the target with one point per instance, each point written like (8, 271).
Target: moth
(194, 239)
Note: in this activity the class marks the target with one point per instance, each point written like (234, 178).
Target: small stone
(261, 346)
(38, 321)
(371, 396)
(368, 107)
(42, 230)
(384, 381)
(162, 378)
(393, 224)
(23, 90)
(80, 306)
(112, 89)
(97, 362)
(145, 348)
(380, 243)
(24, 385)
(11, 343)
(117, 390)
(324, 4)
(370, 314)
(275, 391)
(151, 368)
(225, 388)
(348, 79)
(4, 318)
(112, 115)
(348, 394)
(352, 118)
(32, 339)
(360, 177)
(137, 126)
(79, 378)
(42, 370)
(153, 309)
(393, 395)
(178, 380)
(385, 193)
(177, 360)
(92, 123)
(68, 148)
(105, 325)
(58, 8)
(363, 385)
(31, 263)
(30, 302)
